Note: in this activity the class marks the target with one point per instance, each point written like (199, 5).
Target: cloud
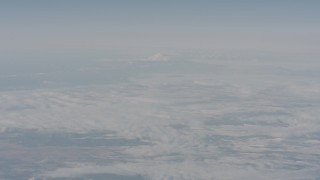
(196, 126)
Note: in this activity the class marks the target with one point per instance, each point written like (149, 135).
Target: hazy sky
(93, 25)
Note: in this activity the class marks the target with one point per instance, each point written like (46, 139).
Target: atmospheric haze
(159, 90)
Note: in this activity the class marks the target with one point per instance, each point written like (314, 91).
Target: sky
(97, 26)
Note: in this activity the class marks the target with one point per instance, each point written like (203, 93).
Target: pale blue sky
(103, 25)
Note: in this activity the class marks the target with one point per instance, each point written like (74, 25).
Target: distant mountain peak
(157, 57)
